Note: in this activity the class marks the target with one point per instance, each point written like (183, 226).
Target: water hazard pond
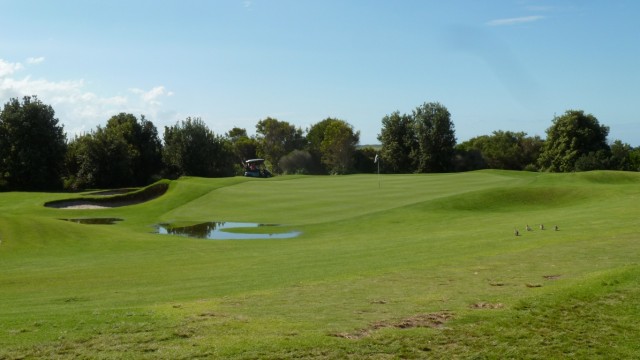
(94, 221)
(215, 230)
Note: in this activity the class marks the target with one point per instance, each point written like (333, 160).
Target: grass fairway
(401, 266)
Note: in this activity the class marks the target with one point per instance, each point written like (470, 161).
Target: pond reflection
(215, 230)
(94, 221)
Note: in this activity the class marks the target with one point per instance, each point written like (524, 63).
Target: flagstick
(377, 160)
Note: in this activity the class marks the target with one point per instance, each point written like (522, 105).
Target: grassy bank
(401, 266)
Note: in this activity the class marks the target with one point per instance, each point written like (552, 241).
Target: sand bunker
(127, 198)
(88, 205)
(84, 206)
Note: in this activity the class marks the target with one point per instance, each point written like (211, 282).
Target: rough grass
(422, 266)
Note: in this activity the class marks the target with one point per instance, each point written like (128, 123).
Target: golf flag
(376, 159)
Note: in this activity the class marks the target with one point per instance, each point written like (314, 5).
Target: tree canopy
(505, 149)
(32, 146)
(398, 143)
(573, 136)
(126, 152)
(191, 148)
(332, 143)
(435, 136)
(244, 147)
(421, 142)
(276, 139)
(338, 147)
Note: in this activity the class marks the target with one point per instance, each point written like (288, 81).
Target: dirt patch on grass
(484, 305)
(432, 320)
(552, 277)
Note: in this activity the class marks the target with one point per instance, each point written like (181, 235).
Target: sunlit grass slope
(396, 266)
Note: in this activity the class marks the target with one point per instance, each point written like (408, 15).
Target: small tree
(296, 162)
(32, 146)
(338, 147)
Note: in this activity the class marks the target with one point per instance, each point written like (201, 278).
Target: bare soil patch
(432, 320)
(484, 305)
(552, 277)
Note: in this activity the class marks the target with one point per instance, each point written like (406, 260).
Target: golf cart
(256, 168)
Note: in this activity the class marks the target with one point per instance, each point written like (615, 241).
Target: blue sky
(496, 65)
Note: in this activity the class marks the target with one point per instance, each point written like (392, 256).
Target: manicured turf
(396, 266)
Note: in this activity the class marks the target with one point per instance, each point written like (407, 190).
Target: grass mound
(513, 198)
(610, 177)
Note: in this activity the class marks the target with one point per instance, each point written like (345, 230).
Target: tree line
(424, 141)
(35, 153)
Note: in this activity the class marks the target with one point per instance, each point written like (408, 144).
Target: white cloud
(34, 60)
(515, 20)
(151, 97)
(8, 68)
(78, 108)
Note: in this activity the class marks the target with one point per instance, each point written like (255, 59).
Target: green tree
(338, 147)
(467, 158)
(398, 139)
(435, 136)
(331, 143)
(144, 148)
(621, 156)
(244, 147)
(99, 159)
(634, 159)
(191, 148)
(315, 136)
(296, 162)
(276, 139)
(32, 146)
(505, 149)
(126, 152)
(80, 163)
(594, 160)
(570, 137)
(364, 158)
